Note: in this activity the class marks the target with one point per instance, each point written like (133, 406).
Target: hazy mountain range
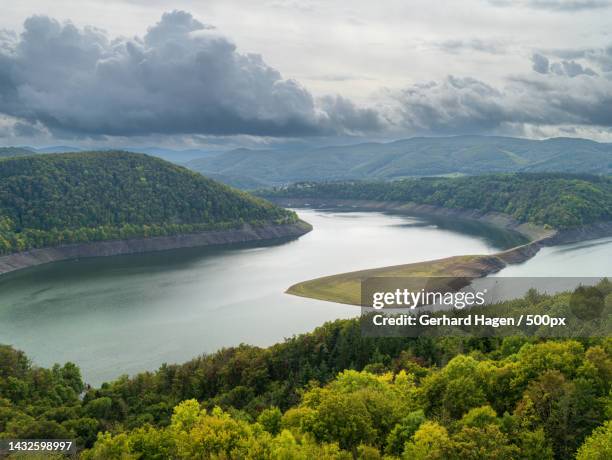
(417, 156)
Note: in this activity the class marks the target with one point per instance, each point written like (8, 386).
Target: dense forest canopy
(46, 200)
(333, 393)
(557, 200)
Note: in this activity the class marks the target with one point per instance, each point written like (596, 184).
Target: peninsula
(547, 209)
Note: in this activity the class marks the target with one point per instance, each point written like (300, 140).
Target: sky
(219, 73)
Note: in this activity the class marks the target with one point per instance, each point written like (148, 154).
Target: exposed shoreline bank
(534, 233)
(20, 260)
(530, 231)
(344, 287)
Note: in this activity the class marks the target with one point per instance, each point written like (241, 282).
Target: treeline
(557, 200)
(15, 151)
(333, 393)
(49, 200)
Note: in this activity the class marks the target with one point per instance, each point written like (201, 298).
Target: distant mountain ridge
(418, 156)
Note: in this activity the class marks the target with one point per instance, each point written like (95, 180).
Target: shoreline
(534, 233)
(530, 231)
(22, 260)
(342, 287)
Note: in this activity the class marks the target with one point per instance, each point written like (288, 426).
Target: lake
(585, 259)
(126, 314)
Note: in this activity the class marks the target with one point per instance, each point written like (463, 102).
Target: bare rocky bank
(535, 233)
(531, 231)
(18, 261)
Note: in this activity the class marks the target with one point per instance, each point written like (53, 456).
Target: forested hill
(14, 152)
(557, 200)
(419, 156)
(46, 200)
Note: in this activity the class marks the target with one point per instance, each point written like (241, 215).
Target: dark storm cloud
(21, 129)
(555, 5)
(456, 105)
(180, 78)
(468, 105)
(340, 113)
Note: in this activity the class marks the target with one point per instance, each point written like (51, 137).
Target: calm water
(588, 258)
(126, 314)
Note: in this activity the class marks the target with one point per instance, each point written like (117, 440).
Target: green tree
(598, 446)
(403, 432)
(430, 442)
(271, 419)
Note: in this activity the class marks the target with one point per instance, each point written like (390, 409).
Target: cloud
(540, 63)
(468, 105)
(475, 44)
(8, 38)
(597, 57)
(339, 77)
(181, 77)
(555, 5)
(569, 5)
(569, 68)
(27, 130)
(341, 112)
(601, 57)
(455, 105)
